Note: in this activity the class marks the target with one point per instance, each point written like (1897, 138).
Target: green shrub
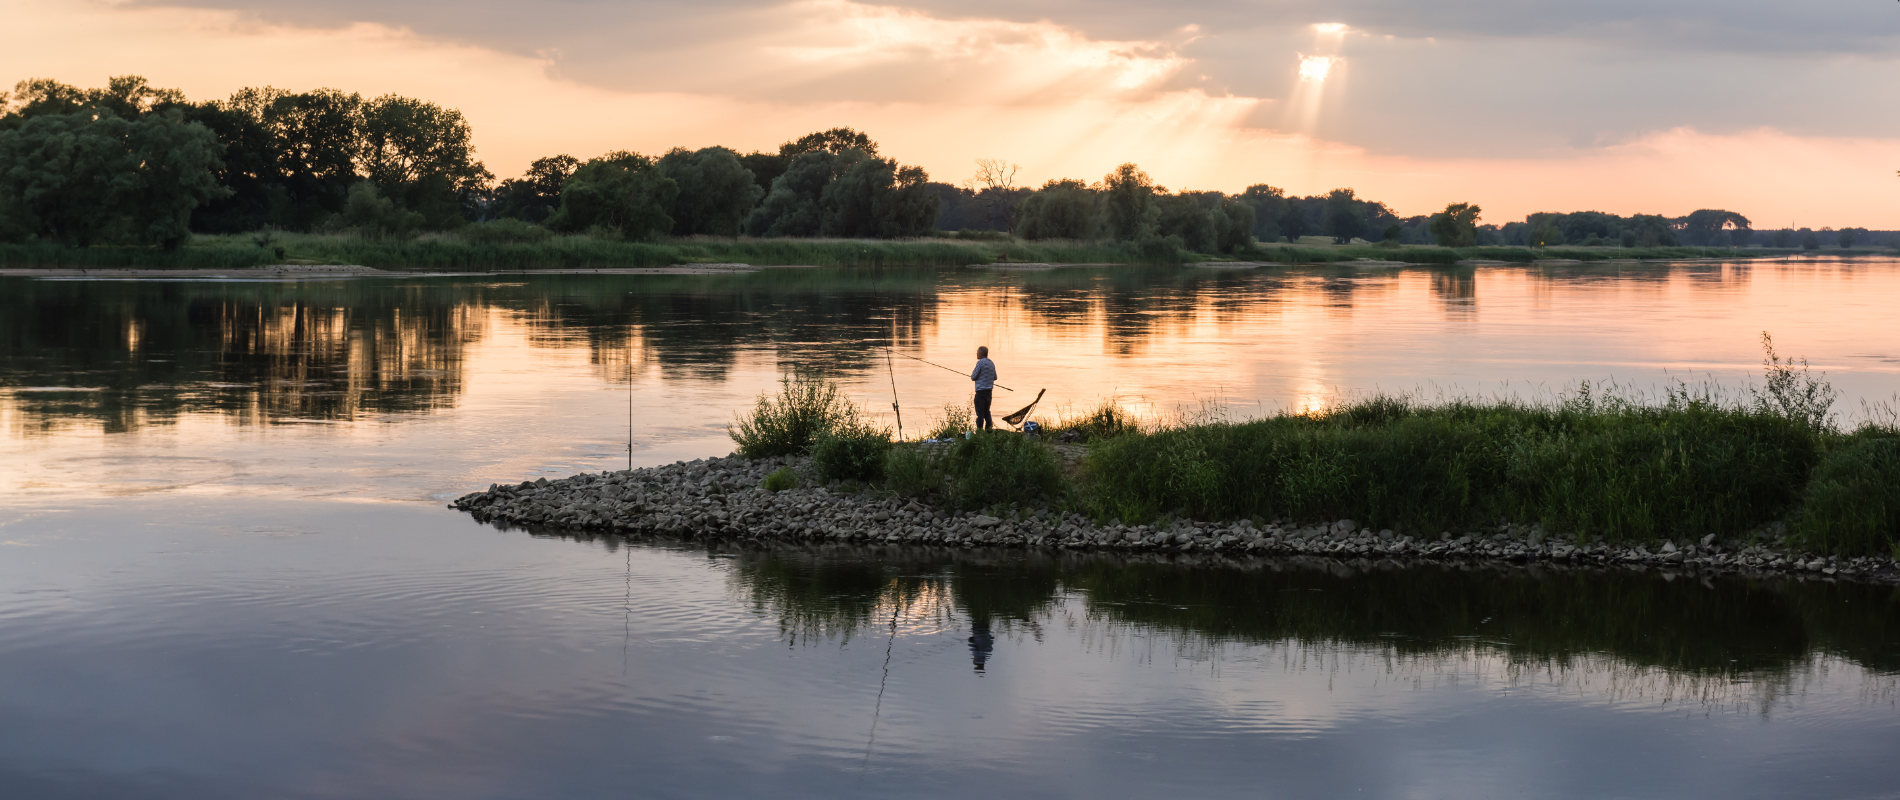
(912, 470)
(1852, 502)
(781, 479)
(852, 451)
(805, 407)
(1000, 467)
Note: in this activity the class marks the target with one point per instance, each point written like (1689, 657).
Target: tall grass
(990, 468)
(1852, 502)
(1606, 468)
(474, 249)
(1621, 468)
(1693, 462)
(511, 245)
(224, 253)
(1106, 421)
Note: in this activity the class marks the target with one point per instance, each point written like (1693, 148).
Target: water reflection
(255, 351)
(1646, 633)
(1457, 290)
(130, 353)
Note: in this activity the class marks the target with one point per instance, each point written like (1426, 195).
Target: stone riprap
(722, 498)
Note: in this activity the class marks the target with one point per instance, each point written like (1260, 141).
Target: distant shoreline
(453, 252)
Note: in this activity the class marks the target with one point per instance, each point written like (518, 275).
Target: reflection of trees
(338, 349)
(834, 592)
(1456, 290)
(1533, 618)
(695, 326)
(263, 351)
(1135, 305)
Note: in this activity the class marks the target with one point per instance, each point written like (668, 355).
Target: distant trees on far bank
(134, 164)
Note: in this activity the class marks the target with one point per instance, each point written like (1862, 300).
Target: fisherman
(985, 377)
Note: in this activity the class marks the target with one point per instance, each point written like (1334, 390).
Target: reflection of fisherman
(981, 642)
(985, 377)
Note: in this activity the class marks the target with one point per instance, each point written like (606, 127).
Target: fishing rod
(940, 366)
(894, 411)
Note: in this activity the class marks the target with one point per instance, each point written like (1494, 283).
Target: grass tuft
(1105, 422)
(805, 407)
(780, 480)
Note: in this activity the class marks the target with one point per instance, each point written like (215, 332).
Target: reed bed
(511, 245)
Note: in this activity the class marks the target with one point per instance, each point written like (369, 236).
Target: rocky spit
(722, 498)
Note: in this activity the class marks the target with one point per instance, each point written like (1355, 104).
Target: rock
(687, 500)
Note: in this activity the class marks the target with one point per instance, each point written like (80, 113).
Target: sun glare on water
(1314, 68)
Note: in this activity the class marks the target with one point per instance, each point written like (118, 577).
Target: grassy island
(1769, 464)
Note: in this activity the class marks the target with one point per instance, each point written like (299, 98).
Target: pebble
(723, 498)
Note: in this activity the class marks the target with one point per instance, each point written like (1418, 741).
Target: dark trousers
(983, 409)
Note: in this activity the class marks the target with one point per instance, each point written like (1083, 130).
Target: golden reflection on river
(531, 373)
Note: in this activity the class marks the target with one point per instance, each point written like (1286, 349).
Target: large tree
(876, 198)
(537, 193)
(834, 141)
(1061, 209)
(1128, 203)
(1189, 215)
(1457, 225)
(88, 178)
(848, 192)
(622, 192)
(792, 207)
(1269, 207)
(1704, 226)
(1343, 218)
(421, 155)
(716, 191)
(1233, 225)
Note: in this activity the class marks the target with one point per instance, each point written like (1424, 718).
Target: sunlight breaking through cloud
(1315, 68)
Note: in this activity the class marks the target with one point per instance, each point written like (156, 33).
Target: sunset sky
(1781, 111)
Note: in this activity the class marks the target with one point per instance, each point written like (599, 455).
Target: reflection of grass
(1533, 618)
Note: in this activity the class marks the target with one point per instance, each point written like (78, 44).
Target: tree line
(130, 163)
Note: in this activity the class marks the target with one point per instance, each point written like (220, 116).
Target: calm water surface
(226, 569)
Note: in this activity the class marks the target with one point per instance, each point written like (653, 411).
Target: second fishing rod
(942, 367)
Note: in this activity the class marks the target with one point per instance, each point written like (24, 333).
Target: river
(226, 569)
